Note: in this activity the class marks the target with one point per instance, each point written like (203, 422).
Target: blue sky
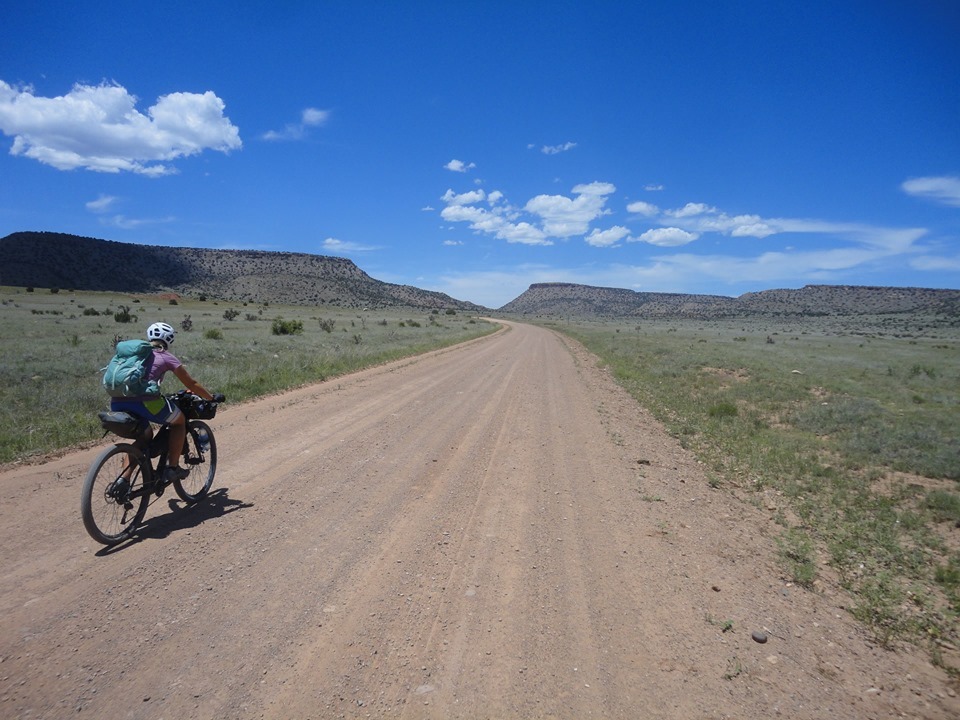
(476, 148)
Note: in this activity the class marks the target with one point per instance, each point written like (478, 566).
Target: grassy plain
(54, 344)
(846, 432)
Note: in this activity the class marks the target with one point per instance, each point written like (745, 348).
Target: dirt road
(490, 531)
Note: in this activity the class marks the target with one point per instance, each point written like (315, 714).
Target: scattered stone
(760, 637)
(715, 588)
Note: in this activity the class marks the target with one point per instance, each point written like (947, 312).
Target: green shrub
(213, 334)
(286, 327)
(123, 315)
(723, 410)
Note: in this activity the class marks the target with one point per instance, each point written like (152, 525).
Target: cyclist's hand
(219, 397)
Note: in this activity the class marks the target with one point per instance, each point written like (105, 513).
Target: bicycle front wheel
(113, 500)
(200, 458)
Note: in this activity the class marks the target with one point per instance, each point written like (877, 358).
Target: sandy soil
(491, 531)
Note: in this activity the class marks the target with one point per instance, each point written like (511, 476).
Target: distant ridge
(48, 260)
(567, 299)
(42, 259)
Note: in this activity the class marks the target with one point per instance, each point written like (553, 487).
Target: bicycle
(121, 481)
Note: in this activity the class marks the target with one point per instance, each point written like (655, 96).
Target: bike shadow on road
(182, 516)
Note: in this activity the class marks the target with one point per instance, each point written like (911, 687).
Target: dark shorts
(158, 410)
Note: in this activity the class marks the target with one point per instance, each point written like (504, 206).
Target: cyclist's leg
(163, 411)
(138, 410)
(178, 433)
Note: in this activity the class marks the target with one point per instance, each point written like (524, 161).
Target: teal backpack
(126, 375)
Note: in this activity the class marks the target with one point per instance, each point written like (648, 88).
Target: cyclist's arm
(191, 384)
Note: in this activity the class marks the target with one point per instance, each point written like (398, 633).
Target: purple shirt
(163, 360)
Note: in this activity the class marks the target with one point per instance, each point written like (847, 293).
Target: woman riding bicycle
(160, 410)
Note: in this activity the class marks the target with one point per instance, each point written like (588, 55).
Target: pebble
(759, 636)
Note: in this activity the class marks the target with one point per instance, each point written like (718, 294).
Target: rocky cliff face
(71, 262)
(587, 301)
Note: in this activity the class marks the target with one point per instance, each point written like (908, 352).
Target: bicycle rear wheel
(200, 458)
(113, 500)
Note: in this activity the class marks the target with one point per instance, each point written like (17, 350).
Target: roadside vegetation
(54, 343)
(849, 438)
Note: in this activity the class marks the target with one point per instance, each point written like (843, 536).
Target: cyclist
(159, 409)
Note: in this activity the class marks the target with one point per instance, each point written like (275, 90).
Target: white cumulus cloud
(756, 229)
(690, 210)
(736, 225)
(943, 189)
(643, 208)
(667, 237)
(310, 117)
(550, 216)
(313, 117)
(556, 149)
(701, 218)
(98, 127)
(459, 166)
(493, 223)
(563, 216)
(467, 198)
(607, 238)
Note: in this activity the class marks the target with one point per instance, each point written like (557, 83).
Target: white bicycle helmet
(161, 331)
